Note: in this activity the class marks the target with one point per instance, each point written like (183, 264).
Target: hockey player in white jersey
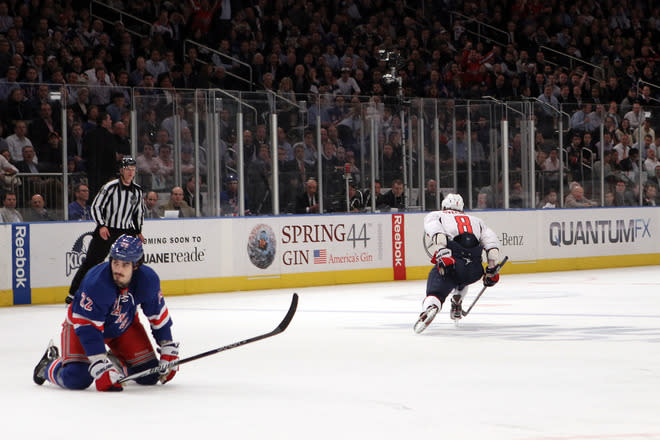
(458, 240)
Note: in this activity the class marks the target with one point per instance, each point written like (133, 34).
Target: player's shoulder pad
(98, 283)
(99, 275)
(146, 273)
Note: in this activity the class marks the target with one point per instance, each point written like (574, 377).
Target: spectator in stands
(122, 141)
(623, 147)
(229, 197)
(9, 82)
(395, 199)
(51, 154)
(100, 89)
(622, 195)
(81, 104)
(635, 116)
(4, 147)
(259, 176)
(298, 167)
(136, 76)
(151, 205)
(651, 162)
(8, 172)
(190, 186)
(645, 130)
(202, 18)
(8, 212)
(18, 141)
(650, 196)
(630, 169)
(309, 145)
(117, 105)
(40, 130)
(155, 64)
(283, 142)
(626, 104)
(78, 209)
(147, 166)
(176, 203)
(37, 211)
(576, 198)
(164, 177)
(644, 145)
(516, 196)
(391, 165)
(550, 200)
(6, 20)
(101, 154)
(163, 27)
(430, 196)
(346, 84)
(307, 202)
(75, 147)
(17, 108)
(162, 138)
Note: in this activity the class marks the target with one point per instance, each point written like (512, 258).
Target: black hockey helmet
(128, 161)
(467, 239)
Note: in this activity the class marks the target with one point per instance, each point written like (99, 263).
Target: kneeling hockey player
(104, 311)
(459, 240)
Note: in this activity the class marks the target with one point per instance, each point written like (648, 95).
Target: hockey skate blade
(420, 326)
(425, 319)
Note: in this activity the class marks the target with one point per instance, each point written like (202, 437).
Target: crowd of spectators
(598, 60)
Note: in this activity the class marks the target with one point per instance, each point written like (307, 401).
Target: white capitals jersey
(453, 223)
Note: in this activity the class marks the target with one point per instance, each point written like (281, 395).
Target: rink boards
(228, 254)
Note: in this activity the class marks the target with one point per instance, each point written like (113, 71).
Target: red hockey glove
(104, 373)
(490, 277)
(169, 352)
(444, 260)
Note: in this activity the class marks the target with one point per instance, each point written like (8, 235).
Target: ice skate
(456, 312)
(425, 318)
(50, 355)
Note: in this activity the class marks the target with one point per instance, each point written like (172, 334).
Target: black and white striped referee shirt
(118, 206)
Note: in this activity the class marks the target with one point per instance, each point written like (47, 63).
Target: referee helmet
(128, 161)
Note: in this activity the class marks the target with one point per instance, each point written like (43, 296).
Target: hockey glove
(169, 352)
(444, 260)
(490, 277)
(104, 373)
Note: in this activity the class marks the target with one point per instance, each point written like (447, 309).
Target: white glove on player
(169, 352)
(105, 373)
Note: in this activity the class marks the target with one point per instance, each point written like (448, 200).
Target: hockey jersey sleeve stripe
(160, 320)
(79, 320)
(51, 371)
(141, 359)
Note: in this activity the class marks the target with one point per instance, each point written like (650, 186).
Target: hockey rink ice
(560, 356)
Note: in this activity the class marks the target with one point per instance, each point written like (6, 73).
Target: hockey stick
(497, 270)
(279, 329)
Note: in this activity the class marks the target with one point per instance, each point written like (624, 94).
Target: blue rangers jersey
(100, 310)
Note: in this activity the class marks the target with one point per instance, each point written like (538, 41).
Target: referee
(117, 209)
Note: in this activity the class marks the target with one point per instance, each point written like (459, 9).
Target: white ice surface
(565, 356)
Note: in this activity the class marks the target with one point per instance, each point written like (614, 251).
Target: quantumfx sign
(586, 232)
